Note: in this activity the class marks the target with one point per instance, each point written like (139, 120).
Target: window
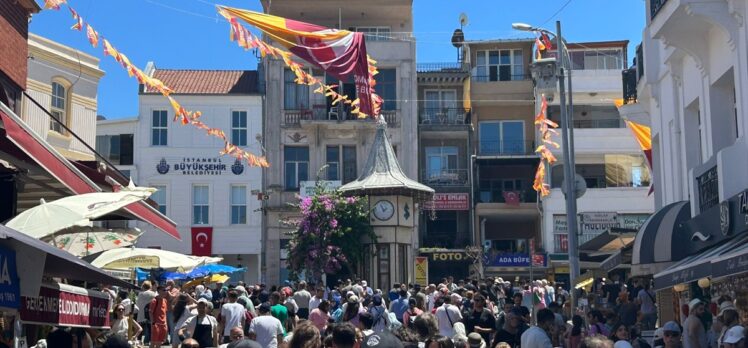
(117, 149)
(596, 60)
(239, 128)
(387, 88)
(295, 96)
(502, 137)
(402, 251)
(333, 163)
(238, 205)
(296, 164)
(159, 130)
(441, 162)
(160, 197)
(626, 171)
(58, 108)
(349, 164)
(200, 207)
(440, 106)
(383, 271)
(374, 33)
(500, 65)
(348, 171)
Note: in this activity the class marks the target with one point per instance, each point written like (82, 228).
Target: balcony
(506, 147)
(451, 67)
(445, 177)
(629, 78)
(502, 90)
(296, 118)
(498, 196)
(708, 187)
(655, 6)
(600, 123)
(443, 116)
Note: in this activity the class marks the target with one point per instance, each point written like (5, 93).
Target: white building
(692, 79)
(65, 82)
(606, 153)
(209, 196)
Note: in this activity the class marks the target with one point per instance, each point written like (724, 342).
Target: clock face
(383, 210)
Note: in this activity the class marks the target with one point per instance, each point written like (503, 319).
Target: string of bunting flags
(546, 128)
(185, 116)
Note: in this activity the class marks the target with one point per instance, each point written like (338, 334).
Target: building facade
(692, 79)
(212, 198)
(14, 33)
(65, 81)
(606, 153)
(307, 138)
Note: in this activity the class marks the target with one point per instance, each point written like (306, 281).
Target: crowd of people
(475, 314)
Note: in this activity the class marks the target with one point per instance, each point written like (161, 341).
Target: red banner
(66, 305)
(448, 201)
(202, 241)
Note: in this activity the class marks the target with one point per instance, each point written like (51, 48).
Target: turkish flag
(511, 197)
(202, 241)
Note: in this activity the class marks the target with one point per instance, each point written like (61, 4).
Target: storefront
(443, 263)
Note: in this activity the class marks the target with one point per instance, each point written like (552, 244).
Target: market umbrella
(215, 278)
(82, 241)
(206, 270)
(78, 210)
(146, 258)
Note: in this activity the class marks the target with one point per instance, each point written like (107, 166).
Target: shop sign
(597, 222)
(449, 256)
(422, 271)
(199, 166)
(75, 307)
(10, 290)
(516, 260)
(306, 188)
(718, 223)
(730, 266)
(142, 261)
(448, 201)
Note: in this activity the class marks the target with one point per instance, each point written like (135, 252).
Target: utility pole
(569, 165)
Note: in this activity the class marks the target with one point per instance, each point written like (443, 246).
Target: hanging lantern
(680, 287)
(704, 282)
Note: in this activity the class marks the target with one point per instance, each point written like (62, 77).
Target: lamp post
(563, 68)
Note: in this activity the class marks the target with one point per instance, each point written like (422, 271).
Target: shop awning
(57, 263)
(698, 265)
(731, 263)
(607, 243)
(656, 243)
(27, 142)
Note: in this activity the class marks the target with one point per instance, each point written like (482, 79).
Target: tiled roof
(208, 81)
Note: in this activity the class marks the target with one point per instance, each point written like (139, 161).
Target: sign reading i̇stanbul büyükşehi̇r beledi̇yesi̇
(200, 166)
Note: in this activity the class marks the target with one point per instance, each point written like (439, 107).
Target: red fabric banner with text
(202, 241)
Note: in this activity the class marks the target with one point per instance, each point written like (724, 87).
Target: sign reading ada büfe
(66, 306)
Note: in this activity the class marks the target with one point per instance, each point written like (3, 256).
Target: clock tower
(393, 203)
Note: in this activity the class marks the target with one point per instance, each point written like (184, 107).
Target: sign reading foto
(448, 201)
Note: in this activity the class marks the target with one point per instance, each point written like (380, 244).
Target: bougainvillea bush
(330, 234)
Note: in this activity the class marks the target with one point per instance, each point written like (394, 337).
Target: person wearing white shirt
(539, 336)
(447, 315)
(316, 299)
(266, 329)
(144, 298)
(202, 327)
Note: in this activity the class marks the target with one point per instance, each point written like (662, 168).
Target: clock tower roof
(382, 174)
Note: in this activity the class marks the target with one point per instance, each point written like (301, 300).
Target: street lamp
(567, 129)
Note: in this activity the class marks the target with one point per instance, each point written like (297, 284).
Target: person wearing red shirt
(158, 308)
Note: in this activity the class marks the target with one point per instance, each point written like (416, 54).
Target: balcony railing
(293, 118)
(441, 67)
(442, 116)
(639, 62)
(600, 123)
(629, 85)
(708, 185)
(506, 147)
(498, 196)
(655, 6)
(501, 78)
(445, 177)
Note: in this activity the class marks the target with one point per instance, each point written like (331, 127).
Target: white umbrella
(50, 217)
(92, 240)
(129, 258)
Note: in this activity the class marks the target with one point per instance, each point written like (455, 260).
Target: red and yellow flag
(643, 135)
(340, 53)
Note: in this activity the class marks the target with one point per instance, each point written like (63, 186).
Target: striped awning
(655, 246)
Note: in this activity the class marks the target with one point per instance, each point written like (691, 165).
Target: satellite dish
(463, 19)
(580, 186)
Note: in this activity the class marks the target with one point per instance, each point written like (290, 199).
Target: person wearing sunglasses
(671, 335)
(121, 323)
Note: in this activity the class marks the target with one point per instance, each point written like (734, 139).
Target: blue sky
(189, 33)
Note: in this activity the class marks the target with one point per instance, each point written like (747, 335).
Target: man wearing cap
(202, 327)
(379, 314)
(671, 335)
(735, 337)
(694, 334)
(728, 316)
(302, 298)
(266, 329)
(475, 340)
